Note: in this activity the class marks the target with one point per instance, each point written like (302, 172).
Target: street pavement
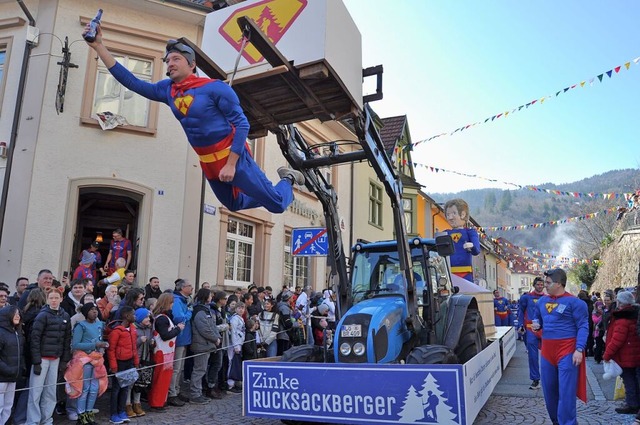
(512, 402)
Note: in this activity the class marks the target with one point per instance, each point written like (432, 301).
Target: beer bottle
(90, 36)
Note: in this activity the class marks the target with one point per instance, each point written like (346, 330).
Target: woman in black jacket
(34, 303)
(11, 358)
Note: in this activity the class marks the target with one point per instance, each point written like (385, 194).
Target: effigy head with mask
(457, 213)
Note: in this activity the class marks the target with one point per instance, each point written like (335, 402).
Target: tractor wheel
(432, 354)
(472, 337)
(306, 354)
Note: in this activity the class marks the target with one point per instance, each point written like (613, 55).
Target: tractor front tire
(432, 354)
(472, 337)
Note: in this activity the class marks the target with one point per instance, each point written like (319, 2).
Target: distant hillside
(496, 207)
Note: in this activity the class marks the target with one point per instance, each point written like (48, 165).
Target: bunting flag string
(550, 223)
(600, 77)
(625, 196)
(537, 256)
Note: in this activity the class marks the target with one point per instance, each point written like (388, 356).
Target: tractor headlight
(358, 349)
(345, 349)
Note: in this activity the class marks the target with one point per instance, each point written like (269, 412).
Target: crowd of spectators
(142, 345)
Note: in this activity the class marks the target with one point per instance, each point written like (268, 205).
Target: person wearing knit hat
(83, 271)
(80, 316)
(86, 308)
(145, 344)
(625, 298)
(89, 378)
(216, 127)
(623, 346)
(141, 314)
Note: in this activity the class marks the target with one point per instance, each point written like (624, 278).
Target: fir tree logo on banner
(428, 405)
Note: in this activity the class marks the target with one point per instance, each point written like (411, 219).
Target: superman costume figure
(528, 304)
(501, 309)
(564, 328)
(216, 128)
(465, 240)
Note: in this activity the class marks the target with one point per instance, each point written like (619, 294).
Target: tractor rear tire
(432, 354)
(472, 337)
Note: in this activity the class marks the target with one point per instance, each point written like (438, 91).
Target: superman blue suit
(210, 114)
(565, 328)
(501, 311)
(528, 304)
(461, 259)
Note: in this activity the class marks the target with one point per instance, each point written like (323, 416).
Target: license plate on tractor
(354, 331)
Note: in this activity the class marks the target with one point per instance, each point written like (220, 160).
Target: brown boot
(137, 408)
(129, 411)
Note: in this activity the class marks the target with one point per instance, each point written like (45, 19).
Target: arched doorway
(100, 211)
(102, 205)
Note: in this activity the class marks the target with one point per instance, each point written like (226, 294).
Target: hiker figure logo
(429, 404)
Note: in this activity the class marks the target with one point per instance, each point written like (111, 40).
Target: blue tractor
(396, 303)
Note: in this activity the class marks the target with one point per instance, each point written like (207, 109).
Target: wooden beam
(317, 71)
(273, 71)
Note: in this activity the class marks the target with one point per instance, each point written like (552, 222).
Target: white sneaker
(73, 416)
(295, 176)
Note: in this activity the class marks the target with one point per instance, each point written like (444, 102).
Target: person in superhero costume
(216, 128)
(528, 303)
(501, 309)
(563, 326)
(465, 239)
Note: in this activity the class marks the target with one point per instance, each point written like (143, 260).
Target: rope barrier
(109, 375)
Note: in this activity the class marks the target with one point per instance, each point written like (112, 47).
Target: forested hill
(496, 207)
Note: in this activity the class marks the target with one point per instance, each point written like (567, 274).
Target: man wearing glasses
(564, 325)
(216, 127)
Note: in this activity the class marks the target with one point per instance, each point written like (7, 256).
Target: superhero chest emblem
(555, 306)
(456, 237)
(183, 103)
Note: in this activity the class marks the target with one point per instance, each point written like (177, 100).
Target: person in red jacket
(623, 346)
(122, 354)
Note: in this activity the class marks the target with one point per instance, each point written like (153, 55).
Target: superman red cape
(192, 81)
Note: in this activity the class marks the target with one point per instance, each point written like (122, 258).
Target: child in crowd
(11, 358)
(86, 375)
(144, 345)
(50, 341)
(122, 354)
(235, 349)
(250, 347)
(598, 331)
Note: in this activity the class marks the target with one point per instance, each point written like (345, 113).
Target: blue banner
(358, 394)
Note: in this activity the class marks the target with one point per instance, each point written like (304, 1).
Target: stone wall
(620, 262)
